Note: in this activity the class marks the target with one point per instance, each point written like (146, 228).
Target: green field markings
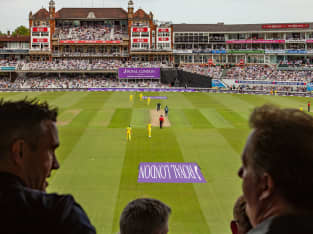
(255, 100)
(186, 217)
(201, 100)
(196, 119)
(118, 100)
(235, 137)
(21, 95)
(176, 101)
(68, 99)
(8, 95)
(233, 118)
(102, 118)
(50, 96)
(290, 102)
(173, 101)
(178, 119)
(92, 173)
(219, 163)
(140, 118)
(121, 118)
(70, 134)
(215, 118)
(14, 95)
(234, 103)
(67, 116)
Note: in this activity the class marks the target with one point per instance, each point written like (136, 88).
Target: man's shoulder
(60, 212)
(24, 199)
(287, 224)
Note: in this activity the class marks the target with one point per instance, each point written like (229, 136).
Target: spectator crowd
(75, 83)
(96, 32)
(85, 65)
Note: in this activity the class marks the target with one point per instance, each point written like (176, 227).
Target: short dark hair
(144, 216)
(240, 214)
(21, 120)
(282, 146)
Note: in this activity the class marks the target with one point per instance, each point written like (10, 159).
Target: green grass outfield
(100, 168)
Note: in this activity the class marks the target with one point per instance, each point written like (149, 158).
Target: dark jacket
(289, 224)
(28, 211)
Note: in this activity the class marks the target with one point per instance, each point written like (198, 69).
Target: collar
(7, 178)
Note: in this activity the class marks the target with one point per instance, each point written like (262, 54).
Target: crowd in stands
(74, 83)
(97, 32)
(272, 89)
(295, 63)
(213, 71)
(8, 63)
(70, 64)
(258, 72)
(88, 65)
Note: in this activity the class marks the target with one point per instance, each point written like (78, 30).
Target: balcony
(77, 55)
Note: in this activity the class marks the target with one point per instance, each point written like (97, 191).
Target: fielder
(148, 101)
(129, 133)
(140, 96)
(149, 130)
(131, 97)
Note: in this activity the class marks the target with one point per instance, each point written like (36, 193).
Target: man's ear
(266, 185)
(17, 151)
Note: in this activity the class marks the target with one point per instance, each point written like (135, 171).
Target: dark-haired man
(277, 171)
(28, 140)
(145, 216)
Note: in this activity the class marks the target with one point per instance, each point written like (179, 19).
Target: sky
(14, 13)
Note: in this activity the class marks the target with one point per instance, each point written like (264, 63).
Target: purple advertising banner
(170, 173)
(140, 90)
(155, 97)
(139, 73)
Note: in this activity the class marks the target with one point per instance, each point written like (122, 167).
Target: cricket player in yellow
(131, 98)
(129, 133)
(148, 101)
(149, 130)
(140, 96)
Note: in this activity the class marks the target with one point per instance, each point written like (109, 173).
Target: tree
(21, 30)
(2, 34)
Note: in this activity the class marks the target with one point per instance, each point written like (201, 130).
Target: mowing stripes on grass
(233, 118)
(178, 119)
(187, 217)
(234, 103)
(68, 99)
(71, 133)
(121, 118)
(235, 137)
(20, 95)
(219, 164)
(196, 119)
(140, 118)
(92, 174)
(200, 100)
(119, 100)
(216, 118)
(102, 119)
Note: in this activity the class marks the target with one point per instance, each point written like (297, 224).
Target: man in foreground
(241, 223)
(145, 216)
(277, 171)
(28, 140)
